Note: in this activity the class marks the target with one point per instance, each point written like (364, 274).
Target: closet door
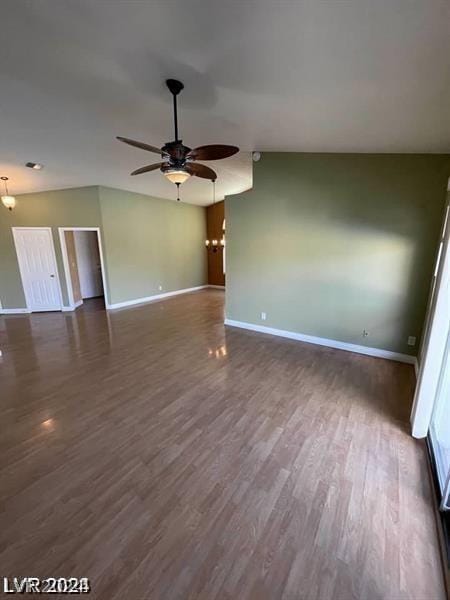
(37, 264)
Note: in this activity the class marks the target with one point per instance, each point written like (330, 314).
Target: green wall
(78, 207)
(330, 245)
(151, 242)
(146, 241)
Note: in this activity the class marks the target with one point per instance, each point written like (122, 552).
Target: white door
(37, 264)
(440, 429)
(89, 266)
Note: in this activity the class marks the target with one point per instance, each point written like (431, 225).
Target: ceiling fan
(179, 161)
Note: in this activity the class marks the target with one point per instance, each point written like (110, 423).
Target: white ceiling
(316, 75)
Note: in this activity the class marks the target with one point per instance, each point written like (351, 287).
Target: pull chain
(178, 191)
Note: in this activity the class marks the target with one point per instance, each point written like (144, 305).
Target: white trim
(15, 311)
(416, 368)
(433, 347)
(49, 229)
(62, 240)
(62, 243)
(72, 307)
(155, 297)
(216, 287)
(310, 339)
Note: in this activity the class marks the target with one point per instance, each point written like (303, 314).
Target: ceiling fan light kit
(177, 175)
(178, 161)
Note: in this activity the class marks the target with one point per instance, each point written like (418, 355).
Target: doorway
(88, 260)
(83, 264)
(38, 269)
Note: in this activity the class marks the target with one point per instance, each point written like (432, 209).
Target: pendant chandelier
(8, 201)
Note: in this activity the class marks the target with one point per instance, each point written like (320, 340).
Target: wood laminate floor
(167, 457)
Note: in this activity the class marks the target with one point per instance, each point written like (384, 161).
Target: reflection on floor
(164, 456)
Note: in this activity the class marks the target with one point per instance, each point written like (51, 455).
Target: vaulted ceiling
(329, 76)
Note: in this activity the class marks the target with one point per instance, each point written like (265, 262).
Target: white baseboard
(155, 297)
(27, 311)
(72, 307)
(216, 287)
(14, 311)
(310, 339)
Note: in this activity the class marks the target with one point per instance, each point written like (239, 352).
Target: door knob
(52, 275)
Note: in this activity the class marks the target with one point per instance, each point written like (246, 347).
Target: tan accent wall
(73, 266)
(215, 215)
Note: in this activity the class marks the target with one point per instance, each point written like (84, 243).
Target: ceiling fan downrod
(175, 88)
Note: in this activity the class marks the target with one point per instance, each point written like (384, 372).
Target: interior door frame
(22, 278)
(62, 241)
(443, 477)
(435, 337)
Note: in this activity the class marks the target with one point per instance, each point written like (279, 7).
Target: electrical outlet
(412, 340)
(160, 288)
(365, 333)
(263, 316)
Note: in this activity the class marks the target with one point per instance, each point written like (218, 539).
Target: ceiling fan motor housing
(176, 151)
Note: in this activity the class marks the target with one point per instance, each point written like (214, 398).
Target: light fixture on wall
(213, 245)
(8, 201)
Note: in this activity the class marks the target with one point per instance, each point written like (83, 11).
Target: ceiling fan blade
(148, 168)
(141, 145)
(201, 171)
(212, 152)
